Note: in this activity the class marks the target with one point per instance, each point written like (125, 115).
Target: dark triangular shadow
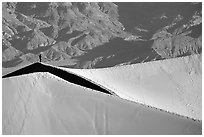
(72, 78)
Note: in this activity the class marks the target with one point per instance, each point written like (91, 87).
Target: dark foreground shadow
(72, 78)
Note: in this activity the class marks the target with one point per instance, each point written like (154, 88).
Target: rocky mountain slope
(57, 30)
(98, 35)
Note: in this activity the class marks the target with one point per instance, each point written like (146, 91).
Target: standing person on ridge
(40, 56)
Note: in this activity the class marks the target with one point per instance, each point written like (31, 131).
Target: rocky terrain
(98, 35)
(58, 31)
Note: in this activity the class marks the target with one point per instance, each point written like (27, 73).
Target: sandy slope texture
(173, 85)
(41, 103)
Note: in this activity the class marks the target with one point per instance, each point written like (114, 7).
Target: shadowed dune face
(41, 103)
(38, 67)
(173, 85)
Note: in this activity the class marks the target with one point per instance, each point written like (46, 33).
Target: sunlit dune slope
(41, 103)
(173, 85)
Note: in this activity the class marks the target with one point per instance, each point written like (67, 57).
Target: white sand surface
(174, 85)
(41, 103)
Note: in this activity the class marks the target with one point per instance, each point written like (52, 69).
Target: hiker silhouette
(40, 56)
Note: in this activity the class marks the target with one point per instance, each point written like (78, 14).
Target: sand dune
(41, 103)
(173, 85)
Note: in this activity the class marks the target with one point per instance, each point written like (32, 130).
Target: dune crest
(173, 85)
(41, 103)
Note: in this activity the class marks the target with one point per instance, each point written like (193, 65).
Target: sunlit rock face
(58, 31)
(98, 34)
(174, 85)
(41, 103)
